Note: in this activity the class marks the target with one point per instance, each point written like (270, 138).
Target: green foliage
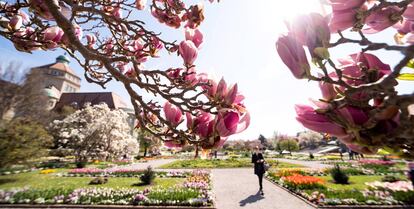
(405, 197)
(148, 177)
(35, 180)
(288, 144)
(33, 194)
(339, 176)
(22, 140)
(99, 180)
(377, 168)
(390, 178)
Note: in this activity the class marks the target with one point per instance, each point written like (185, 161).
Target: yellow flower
(47, 171)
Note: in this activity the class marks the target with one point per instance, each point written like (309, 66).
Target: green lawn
(47, 181)
(355, 182)
(217, 163)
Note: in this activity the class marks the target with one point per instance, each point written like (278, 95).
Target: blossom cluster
(377, 162)
(391, 186)
(358, 117)
(123, 172)
(297, 181)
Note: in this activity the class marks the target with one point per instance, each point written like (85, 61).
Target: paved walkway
(152, 163)
(238, 188)
(310, 164)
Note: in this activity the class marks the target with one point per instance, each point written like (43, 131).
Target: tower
(56, 78)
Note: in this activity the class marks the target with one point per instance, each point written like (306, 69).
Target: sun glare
(289, 9)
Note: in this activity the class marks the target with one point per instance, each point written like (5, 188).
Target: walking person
(259, 169)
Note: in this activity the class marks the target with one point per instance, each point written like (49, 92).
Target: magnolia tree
(110, 42)
(96, 132)
(359, 103)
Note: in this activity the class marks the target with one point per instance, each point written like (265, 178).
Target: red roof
(81, 98)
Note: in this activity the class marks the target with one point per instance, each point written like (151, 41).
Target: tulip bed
(362, 190)
(195, 190)
(222, 163)
(120, 172)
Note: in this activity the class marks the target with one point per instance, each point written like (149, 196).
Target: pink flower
(312, 120)
(310, 30)
(117, 12)
(54, 35)
(230, 122)
(91, 39)
(202, 125)
(409, 12)
(351, 67)
(194, 35)
(140, 4)
(342, 19)
(381, 19)
(354, 115)
(172, 113)
(293, 55)
(328, 91)
(16, 22)
(188, 52)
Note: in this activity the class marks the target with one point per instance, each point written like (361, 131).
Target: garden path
(311, 164)
(238, 188)
(152, 163)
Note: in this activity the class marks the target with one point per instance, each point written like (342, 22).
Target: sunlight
(293, 8)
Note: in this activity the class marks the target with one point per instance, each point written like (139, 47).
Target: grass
(217, 163)
(48, 181)
(355, 182)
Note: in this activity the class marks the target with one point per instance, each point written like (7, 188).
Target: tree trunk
(196, 152)
(145, 151)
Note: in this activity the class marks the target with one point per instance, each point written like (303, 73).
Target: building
(56, 78)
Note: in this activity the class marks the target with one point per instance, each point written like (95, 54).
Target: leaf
(406, 77)
(410, 64)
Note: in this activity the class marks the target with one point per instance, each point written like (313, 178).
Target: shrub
(148, 177)
(389, 178)
(407, 197)
(311, 156)
(81, 164)
(99, 180)
(339, 176)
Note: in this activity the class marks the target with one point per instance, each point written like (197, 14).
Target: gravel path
(311, 164)
(152, 163)
(238, 188)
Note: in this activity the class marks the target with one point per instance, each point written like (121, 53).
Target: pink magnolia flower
(230, 122)
(91, 39)
(354, 115)
(173, 114)
(168, 19)
(40, 9)
(404, 27)
(16, 22)
(188, 52)
(328, 91)
(381, 19)
(342, 20)
(195, 36)
(53, 35)
(117, 12)
(173, 144)
(202, 125)
(311, 30)
(409, 12)
(293, 55)
(312, 120)
(140, 4)
(351, 67)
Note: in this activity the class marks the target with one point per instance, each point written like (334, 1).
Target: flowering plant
(377, 162)
(297, 181)
(359, 104)
(110, 43)
(391, 186)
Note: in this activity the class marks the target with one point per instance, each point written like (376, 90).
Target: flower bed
(195, 191)
(316, 191)
(120, 172)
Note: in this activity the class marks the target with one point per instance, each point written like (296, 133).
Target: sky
(239, 45)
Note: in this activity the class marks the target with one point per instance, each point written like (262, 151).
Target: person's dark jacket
(258, 167)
